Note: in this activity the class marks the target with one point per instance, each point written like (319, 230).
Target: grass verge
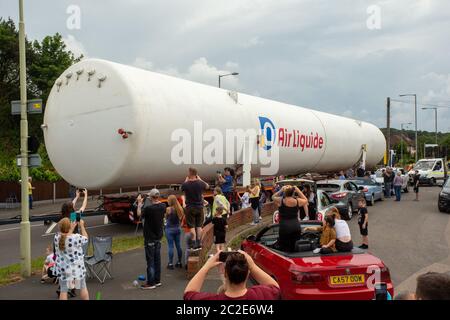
(11, 274)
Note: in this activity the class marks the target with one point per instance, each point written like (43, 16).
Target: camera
(223, 255)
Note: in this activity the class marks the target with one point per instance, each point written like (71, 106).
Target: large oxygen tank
(107, 124)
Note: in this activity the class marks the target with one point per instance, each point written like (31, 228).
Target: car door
(438, 170)
(356, 195)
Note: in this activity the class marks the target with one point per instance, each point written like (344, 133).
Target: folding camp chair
(99, 265)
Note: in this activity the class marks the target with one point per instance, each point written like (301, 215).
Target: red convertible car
(305, 275)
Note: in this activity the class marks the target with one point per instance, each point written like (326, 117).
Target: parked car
(305, 275)
(321, 200)
(372, 189)
(345, 195)
(444, 197)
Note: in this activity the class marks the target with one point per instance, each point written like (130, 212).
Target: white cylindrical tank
(95, 98)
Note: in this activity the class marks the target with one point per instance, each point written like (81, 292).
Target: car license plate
(351, 279)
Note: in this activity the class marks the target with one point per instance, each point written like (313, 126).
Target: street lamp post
(228, 74)
(435, 119)
(415, 120)
(25, 242)
(401, 140)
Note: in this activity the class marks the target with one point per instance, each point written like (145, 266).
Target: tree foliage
(46, 60)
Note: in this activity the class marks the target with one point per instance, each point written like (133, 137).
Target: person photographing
(238, 267)
(69, 265)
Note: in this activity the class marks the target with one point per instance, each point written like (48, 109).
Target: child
(363, 221)
(328, 237)
(187, 240)
(220, 226)
(245, 199)
(49, 265)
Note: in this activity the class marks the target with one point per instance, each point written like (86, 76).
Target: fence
(239, 218)
(57, 190)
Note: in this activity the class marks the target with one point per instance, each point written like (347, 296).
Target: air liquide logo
(288, 137)
(268, 133)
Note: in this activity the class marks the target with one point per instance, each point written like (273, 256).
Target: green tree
(46, 60)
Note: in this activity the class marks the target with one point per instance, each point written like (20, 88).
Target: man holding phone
(238, 267)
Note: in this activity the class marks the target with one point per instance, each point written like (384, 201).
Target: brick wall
(239, 218)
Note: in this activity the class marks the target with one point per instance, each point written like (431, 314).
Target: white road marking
(18, 228)
(93, 227)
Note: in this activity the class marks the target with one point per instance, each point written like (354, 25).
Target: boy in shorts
(363, 222)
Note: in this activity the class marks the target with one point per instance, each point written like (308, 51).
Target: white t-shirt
(342, 229)
(245, 200)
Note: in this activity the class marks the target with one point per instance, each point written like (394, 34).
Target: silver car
(344, 194)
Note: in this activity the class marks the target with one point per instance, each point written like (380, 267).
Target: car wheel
(443, 210)
(349, 211)
(372, 200)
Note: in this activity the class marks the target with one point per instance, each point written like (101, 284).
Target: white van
(430, 170)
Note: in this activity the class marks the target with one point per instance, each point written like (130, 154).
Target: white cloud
(142, 63)
(199, 71)
(75, 46)
(255, 41)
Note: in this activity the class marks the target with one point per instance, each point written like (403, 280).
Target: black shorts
(416, 189)
(195, 217)
(254, 202)
(364, 231)
(219, 238)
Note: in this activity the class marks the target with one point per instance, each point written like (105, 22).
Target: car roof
(295, 180)
(332, 181)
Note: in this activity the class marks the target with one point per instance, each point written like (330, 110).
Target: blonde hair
(173, 203)
(333, 212)
(218, 190)
(64, 228)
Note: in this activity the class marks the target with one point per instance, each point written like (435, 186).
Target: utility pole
(25, 242)
(388, 128)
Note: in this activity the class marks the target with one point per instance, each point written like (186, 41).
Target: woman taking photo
(288, 209)
(174, 215)
(70, 258)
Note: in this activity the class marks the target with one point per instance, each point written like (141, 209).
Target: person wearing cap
(153, 212)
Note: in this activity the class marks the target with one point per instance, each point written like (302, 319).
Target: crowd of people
(183, 219)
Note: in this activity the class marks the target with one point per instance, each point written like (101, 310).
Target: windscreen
(329, 187)
(365, 182)
(424, 165)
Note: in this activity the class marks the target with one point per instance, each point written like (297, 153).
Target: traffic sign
(33, 106)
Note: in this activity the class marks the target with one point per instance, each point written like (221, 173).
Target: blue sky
(312, 53)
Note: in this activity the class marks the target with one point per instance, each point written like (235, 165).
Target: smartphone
(78, 217)
(223, 255)
(381, 291)
(73, 216)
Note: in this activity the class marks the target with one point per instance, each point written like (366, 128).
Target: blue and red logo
(288, 138)
(268, 133)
